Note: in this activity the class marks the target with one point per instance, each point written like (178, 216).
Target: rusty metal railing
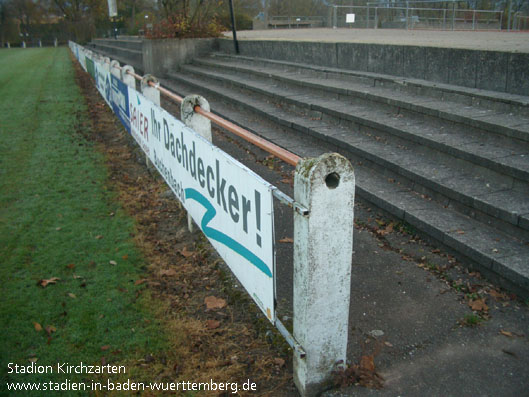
(281, 153)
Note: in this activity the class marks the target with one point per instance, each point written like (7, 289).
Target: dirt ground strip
(215, 331)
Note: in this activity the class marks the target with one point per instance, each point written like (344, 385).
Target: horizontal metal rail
(283, 154)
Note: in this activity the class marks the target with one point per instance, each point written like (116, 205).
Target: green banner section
(90, 68)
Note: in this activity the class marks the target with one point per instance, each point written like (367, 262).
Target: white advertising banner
(231, 204)
(102, 80)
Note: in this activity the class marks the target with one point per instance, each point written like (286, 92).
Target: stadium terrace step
(460, 184)
(126, 51)
(471, 144)
(479, 188)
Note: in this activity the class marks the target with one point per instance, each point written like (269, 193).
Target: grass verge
(59, 222)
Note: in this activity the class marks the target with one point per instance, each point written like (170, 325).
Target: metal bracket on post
(323, 248)
(197, 123)
(153, 95)
(128, 78)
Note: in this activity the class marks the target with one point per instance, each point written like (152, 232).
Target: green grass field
(57, 219)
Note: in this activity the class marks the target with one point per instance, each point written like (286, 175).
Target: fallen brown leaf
(71, 295)
(287, 240)
(279, 361)
(367, 363)
(99, 237)
(38, 327)
(50, 329)
(213, 303)
(479, 305)
(212, 324)
(186, 253)
(497, 295)
(70, 265)
(168, 272)
(45, 282)
(139, 282)
(106, 347)
(506, 333)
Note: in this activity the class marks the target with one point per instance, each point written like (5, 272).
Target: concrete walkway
(492, 41)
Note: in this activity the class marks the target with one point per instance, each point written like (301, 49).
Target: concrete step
(496, 198)
(499, 256)
(128, 43)
(501, 154)
(123, 57)
(503, 102)
(495, 118)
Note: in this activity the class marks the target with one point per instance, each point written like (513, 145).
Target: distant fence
(295, 22)
(425, 14)
(33, 43)
(233, 207)
(411, 17)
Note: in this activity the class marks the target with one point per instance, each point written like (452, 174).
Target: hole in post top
(332, 180)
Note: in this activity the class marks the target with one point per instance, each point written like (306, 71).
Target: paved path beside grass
(492, 41)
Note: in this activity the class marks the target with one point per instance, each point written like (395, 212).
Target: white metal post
(128, 78)
(148, 91)
(114, 69)
(197, 123)
(323, 247)
(153, 95)
(106, 64)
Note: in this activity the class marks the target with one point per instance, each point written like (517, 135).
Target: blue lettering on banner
(120, 101)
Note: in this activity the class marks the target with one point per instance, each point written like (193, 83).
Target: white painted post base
(152, 94)
(128, 78)
(323, 247)
(114, 69)
(106, 63)
(197, 123)
(23, 44)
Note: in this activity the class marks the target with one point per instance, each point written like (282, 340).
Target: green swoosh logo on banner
(217, 235)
